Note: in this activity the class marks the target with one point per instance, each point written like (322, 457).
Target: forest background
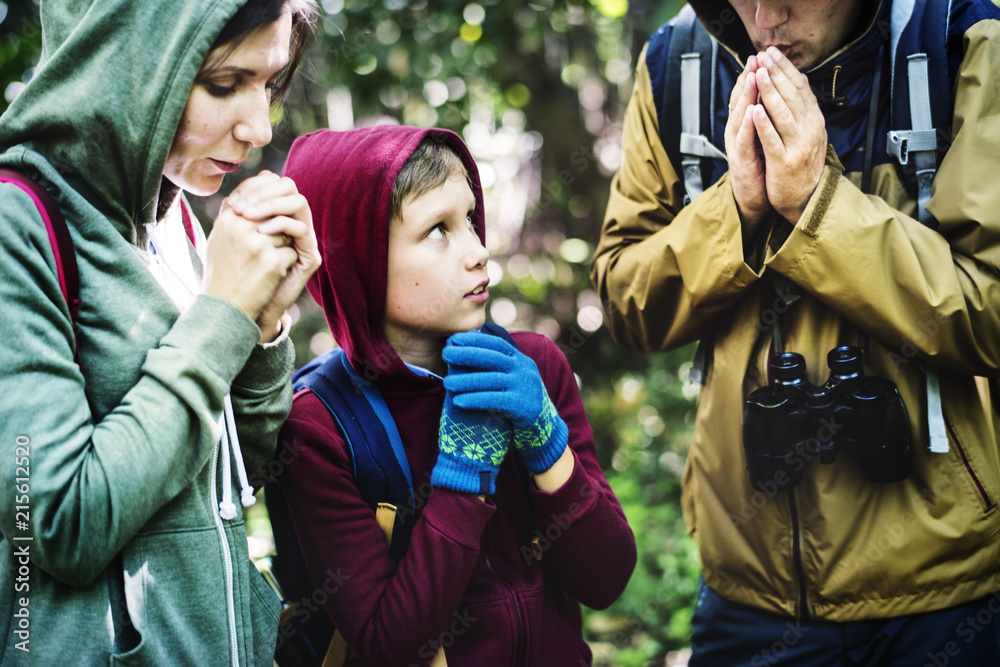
(538, 90)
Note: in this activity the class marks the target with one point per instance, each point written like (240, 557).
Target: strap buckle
(900, 143)
(537, 552)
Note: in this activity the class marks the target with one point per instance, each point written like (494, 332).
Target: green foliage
(650, 418)
(20, 47)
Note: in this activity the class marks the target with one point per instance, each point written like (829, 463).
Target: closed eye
(216, 90)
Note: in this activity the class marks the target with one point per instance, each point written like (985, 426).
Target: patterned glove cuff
(458, 475)
(541, 444)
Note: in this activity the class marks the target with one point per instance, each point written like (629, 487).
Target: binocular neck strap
(780, 294)
(863, 341)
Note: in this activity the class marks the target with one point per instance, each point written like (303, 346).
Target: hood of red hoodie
(348, 178)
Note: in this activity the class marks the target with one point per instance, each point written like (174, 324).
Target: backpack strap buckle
(537, 552)
(698, 146)
(900, 143)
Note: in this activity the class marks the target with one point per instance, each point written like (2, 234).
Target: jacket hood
(722, 22)
(348, 178)
(108, 94)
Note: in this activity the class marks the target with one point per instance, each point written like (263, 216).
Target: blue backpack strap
(499, 331)
(381, 468)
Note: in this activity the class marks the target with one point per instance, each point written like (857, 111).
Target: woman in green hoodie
(120, 539)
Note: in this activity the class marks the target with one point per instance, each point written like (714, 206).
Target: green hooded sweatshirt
(112, 547)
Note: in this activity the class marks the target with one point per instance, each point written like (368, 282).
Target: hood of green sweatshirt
(108, 94)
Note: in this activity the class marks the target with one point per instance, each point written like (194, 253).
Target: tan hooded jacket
(836, 547)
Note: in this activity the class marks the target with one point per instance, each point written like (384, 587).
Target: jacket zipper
(230, 605)
(793, 511)
(987, 502)
(800, 574)
(521, 630)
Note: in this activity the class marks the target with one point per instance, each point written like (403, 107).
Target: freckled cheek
(190, 140)
(201, 126)
(184, 143)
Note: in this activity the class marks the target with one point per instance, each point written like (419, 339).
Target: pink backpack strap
(188, 225)
(62, 243)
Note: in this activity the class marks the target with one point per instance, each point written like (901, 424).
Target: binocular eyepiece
(790, 421)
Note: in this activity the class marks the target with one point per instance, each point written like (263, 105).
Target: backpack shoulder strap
(381, 468)
(186, 218)
(62, 243)
(918, 58)
(499, 332)
(921, 93)
(682, 61)
(923, 73)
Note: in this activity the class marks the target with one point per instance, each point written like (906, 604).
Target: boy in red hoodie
(398, 214)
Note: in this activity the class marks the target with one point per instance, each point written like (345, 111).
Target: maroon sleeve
(588, 545)
(385, 611)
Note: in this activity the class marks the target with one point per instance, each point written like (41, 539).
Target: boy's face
(437, 270)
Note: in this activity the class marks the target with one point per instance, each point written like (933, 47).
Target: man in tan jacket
(808, 236)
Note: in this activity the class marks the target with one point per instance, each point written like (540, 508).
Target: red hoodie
(467, 581)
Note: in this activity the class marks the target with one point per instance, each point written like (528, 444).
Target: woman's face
(228, 111)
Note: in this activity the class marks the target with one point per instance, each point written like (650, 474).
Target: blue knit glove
(489, 375)
(471, 447)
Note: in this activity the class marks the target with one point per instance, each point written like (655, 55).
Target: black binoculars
(790, 421)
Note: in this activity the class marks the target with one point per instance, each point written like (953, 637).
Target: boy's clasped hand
(493, 395)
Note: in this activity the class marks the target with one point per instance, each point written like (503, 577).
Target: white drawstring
(227, 510)
(231, 441)
(246, 491)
